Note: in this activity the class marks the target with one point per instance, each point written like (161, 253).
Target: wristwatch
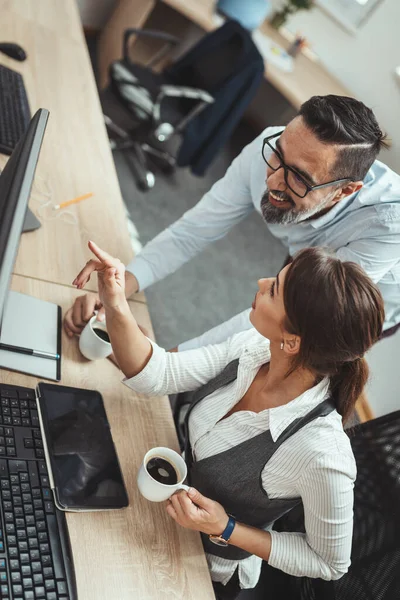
(223, 539)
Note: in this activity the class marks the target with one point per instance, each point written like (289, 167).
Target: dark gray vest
(233, 477)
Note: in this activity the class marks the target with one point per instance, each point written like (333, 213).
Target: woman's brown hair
(338, 312)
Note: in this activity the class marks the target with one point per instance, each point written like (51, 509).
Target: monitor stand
(31, 222)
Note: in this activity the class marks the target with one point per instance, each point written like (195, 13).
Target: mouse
(13, 50)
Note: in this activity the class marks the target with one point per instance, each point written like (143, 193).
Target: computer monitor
(15, 187)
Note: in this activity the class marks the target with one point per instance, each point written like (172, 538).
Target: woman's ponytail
(347, 385)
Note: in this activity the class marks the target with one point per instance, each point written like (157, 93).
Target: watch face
(219, 541)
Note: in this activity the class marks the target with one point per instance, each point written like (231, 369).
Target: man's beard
(274, 215)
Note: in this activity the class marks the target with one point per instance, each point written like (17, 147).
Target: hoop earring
(282, 344)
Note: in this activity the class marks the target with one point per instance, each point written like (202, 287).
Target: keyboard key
(36, 493)
(38, 444)
(18, 511)
(3, 468)
(33, 474)
(41, 525)
(2, 451)
(53, 596)
(42, 535)
(48, 572)
(17, 500)
(23, 403)
(30, 520)
(27, 583)
(62, 587)
(44, 548)
(26, 422)
(5, 393)
(36, 567)
(6, 495)
(39, 453)
(2, 564)
(16, 421)
(3, 576)
(46, 493)
(25, 488)
(14, 564)
(19, 523)
(23, 546)
(33, 543)
(25, 559)
(12, 540)
(15, 412)
(17, 465)
(16, 577)
(28, 443)
(26, 498)
(8, 431)
(2, 441)
(31, 531)
(46, 560)
(17, 589)
(24, 477)
(11, 451)
(12, 552)
(9, 517)
(30, 595)
(49, 507)
(15, 490)
(14, 403)
(7, 421)
(37, 434)
(38, 579)
(35, 554)
(4, 591)
(28, 508)
(39, 592)
(26, 395)
(42, 467)
(26, 570)
(6, 411)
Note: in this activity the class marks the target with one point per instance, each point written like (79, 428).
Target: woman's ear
(291, 344)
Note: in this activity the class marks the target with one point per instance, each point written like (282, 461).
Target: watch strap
(226, 534)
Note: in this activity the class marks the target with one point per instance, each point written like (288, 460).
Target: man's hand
(81, 312)
(194, 511)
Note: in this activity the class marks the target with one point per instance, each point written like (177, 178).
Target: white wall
(364, 62)
(383, 389)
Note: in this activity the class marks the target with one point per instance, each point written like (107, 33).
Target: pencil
(74, 201)
(30, 351)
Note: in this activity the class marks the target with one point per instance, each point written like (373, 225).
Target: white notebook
(31, 323)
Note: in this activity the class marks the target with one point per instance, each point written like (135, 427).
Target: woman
(266, 431)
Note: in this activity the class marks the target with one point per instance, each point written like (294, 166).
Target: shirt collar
(332, 213)
(281, 417)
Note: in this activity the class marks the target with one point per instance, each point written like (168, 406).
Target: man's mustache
(278, 194)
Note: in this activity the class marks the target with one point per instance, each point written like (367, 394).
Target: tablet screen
(83, 459)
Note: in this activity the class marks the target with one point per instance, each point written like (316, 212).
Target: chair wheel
(146, 183)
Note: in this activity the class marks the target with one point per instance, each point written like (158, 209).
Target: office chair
(200, 98)
(374, 573)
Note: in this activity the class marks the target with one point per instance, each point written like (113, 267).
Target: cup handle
(182, 486)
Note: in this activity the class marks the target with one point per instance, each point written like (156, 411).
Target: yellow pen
(74, 201)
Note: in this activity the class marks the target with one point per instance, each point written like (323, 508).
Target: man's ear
(346, 190)
(291, 344)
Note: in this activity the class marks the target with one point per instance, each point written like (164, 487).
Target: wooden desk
(308, 78)
(75, 157)
(136, 553)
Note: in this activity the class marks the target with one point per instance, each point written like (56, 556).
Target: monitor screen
(15, 187)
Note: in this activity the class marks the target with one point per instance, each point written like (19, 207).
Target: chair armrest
(171, 40)
(181, 91)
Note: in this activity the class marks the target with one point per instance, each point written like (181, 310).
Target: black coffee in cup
(101, 334)
(162, 470)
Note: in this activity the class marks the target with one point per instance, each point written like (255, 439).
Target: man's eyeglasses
(295, 182)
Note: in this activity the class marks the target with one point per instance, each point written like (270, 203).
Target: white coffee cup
(90, 344)
(154, 490)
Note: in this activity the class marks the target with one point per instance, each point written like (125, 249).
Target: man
(316, 183)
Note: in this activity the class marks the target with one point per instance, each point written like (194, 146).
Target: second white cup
(95, 345)
(154, 490)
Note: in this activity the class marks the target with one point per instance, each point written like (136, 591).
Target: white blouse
(316, 463)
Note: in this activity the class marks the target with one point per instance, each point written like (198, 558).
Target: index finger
(101, 254)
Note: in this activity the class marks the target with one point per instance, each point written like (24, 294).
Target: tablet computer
(83, 466)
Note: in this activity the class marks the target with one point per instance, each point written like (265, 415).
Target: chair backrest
(374, 573)
(213, 60)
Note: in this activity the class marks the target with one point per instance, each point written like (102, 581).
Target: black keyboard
(14, 109)
(35, 554)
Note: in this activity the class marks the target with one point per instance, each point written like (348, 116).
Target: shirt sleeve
(174, 372)
(326, 489)
(220, 333)
(227, 203)
(378, 251)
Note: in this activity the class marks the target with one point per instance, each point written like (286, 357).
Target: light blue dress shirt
(364, 228)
